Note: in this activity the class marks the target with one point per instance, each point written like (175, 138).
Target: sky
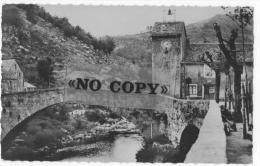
(122, 20)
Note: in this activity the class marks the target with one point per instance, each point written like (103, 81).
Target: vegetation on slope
(30, 35)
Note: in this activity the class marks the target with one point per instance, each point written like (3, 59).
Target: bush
(175, 156)
(95, 117)
(45, 70)
(146, 154)
(47, 137)
(20, 153)
(33, 129)
(31, 11)
(135, 113)
(114, 115)
(78, 125)
(162, 139)
(11, 16)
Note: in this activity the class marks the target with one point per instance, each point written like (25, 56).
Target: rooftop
(168, 28)
(193, 52)
(28, 85)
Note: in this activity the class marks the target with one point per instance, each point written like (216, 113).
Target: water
(123, 149)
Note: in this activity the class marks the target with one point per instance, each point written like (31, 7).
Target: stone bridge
(19, 106)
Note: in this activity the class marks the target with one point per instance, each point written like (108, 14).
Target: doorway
(209, 91)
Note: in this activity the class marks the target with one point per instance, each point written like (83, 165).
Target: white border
(254, 3)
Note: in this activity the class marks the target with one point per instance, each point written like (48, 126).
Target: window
(208, 72)
(211, 89)
(193, 90)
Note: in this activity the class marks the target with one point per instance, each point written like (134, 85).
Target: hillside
(137, 47)
(29, 35)
(203, 30)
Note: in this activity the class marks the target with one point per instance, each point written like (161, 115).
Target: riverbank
(63, 126)
(101, 143)
(80, 150)
(122, 149)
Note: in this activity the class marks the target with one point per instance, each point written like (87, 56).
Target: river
(123, 149)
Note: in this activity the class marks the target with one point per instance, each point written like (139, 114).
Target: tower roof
(168, 28)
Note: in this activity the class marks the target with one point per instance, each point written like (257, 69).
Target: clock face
(166, 45)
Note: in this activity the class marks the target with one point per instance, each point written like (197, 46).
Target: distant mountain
(203, 31)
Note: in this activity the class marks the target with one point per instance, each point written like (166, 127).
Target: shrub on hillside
(95, 117)
(162, 139)
(45, 70)
(20, 153)
(42, 132)
(46, 137)
(11, 16)
(31, 12)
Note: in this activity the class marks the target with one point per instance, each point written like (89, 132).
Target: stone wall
(18, 106)
(180, 113)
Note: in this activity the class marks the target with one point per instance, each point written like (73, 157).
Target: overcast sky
(121, 20)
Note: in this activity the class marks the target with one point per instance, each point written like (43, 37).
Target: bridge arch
(178, 111)
(12, 133)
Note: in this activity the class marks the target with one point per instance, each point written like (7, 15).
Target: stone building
(12, 77)
(29, 87)
(168, 47)
(175, 59)
(202, 78)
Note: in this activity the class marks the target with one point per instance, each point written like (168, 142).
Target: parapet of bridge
(210, 146)
(19, 106)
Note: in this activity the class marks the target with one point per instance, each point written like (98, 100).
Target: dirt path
(238, 150)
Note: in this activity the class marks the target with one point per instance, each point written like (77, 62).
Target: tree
(217, 62)
(45, 70)
(109, 44)
(242, 16)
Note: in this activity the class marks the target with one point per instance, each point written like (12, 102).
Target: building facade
(177, 64)
(168, 44)
(12, 77)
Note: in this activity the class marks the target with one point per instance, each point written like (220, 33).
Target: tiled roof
(28, 85)
(193, 52)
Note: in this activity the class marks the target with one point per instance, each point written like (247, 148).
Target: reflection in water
(124, 149)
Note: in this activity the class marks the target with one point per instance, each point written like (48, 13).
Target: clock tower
(168, 42)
